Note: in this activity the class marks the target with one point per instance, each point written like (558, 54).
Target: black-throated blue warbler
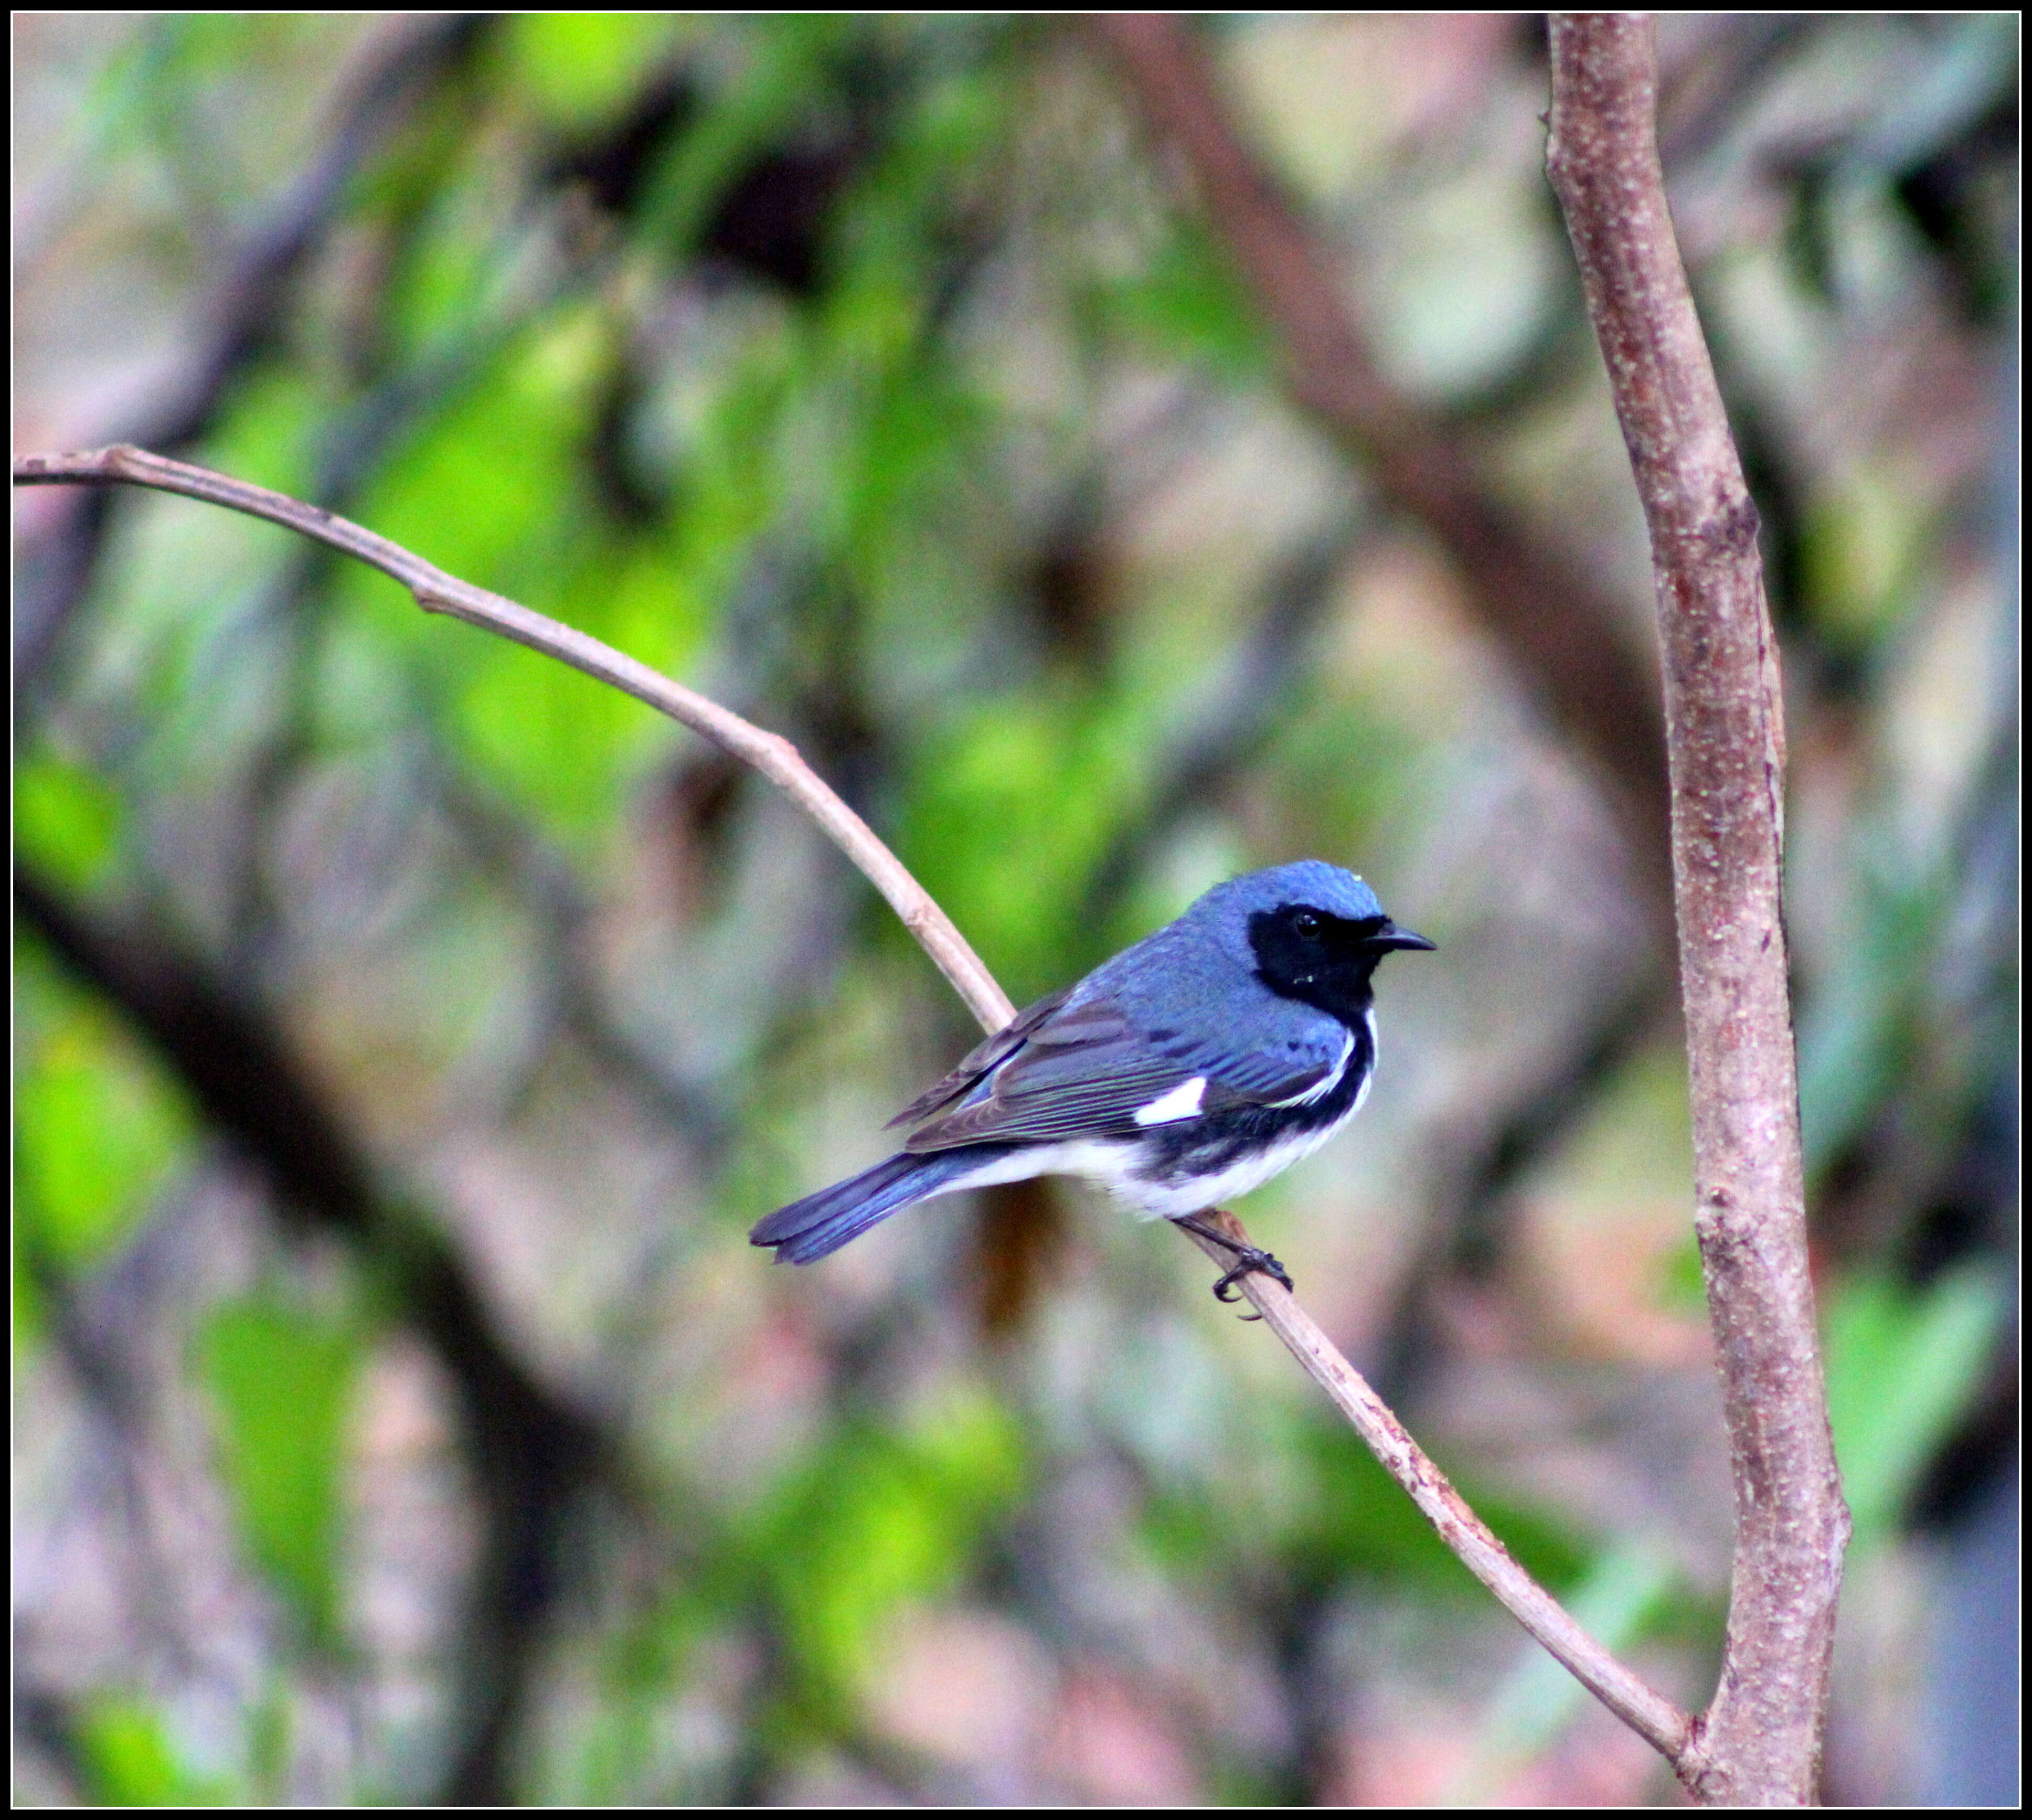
(1193, 1067)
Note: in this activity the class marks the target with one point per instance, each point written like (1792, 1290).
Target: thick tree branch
(1760, 1742)
(1563, 634)
(1646, 1711)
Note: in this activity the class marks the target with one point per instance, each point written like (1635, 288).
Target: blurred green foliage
(1185, 303)
(877, 1518)
(283, 1382)
(100, 1127)
(1015, 808)
(870, 374)
(132, 1762)
(66, 817)
(1900, 1366)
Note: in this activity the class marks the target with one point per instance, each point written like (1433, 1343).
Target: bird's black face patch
(1309, 953)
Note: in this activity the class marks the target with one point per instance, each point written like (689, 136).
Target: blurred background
(407, 1029)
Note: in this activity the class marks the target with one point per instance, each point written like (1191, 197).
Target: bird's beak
(1394, 937)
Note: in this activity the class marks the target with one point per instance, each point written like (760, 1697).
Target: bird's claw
(1248, 1260)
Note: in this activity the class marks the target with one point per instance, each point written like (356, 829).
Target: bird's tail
(818, 1225)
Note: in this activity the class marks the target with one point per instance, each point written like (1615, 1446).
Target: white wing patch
(1181, 1102)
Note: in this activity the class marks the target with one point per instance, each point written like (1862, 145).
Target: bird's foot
(1248, 1260)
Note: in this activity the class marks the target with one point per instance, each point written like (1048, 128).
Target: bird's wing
(982, 1059)
(1088, 1069)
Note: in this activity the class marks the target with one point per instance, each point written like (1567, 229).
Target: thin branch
(242, 314)
(435, 591)
(1760, 1742)
(1647, 1712)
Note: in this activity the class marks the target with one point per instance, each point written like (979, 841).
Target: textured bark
(1760, 1741)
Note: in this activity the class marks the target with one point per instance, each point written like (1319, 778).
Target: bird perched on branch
(1191, 1067)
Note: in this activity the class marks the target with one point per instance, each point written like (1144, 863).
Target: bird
(1191, 1068)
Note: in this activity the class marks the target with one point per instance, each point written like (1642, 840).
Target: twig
(1760, 1742)
(435, 591)
(243, 312)
(1560, 630)
(1646, 1712)
(1640, 1706)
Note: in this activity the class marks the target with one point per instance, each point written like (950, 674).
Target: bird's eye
(1306, 923)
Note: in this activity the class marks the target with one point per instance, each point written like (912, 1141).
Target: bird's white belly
(1154, 1201)
(1112, 1166)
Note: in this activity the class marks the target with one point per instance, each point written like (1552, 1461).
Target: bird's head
(1308, 931)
